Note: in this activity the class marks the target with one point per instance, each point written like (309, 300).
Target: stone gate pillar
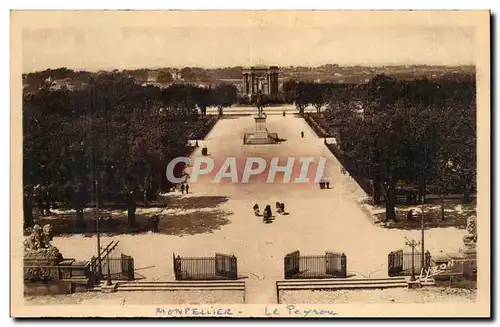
(244, 83)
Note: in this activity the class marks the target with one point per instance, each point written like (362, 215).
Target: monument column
(269, 84)
(245, 83)
(252, 82)
(276, 82)
(275, 89)
(247, 86)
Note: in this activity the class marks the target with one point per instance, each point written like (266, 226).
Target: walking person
(182, 188)
(187, 188)
(302, 134)
(256, 209)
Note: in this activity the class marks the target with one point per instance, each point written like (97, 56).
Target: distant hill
(213, 76)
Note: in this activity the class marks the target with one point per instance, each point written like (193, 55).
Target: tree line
(108, 142)
(421, 133)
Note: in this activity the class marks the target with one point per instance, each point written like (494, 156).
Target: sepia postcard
(284, 164)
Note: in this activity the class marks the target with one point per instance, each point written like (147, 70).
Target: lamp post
(413, 244)
(108, 282)
(422, 223)
(99, 259)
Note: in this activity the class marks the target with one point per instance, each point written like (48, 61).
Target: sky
(128, 47)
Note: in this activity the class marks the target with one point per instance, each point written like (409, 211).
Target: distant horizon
(95, 70)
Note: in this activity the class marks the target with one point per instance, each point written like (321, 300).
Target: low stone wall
(52, 288)
(320, 132)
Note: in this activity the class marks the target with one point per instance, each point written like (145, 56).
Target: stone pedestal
(45, 269)
(109, 288)
(414, 284)
(469, 249)
(42, 265)
(260, 135)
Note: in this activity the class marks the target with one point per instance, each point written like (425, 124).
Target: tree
(225, 95)
(164, 77)
(320, 94)
(416, 132)
(108, 142)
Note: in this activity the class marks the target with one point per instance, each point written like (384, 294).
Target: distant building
(261, 78)
(176, 75)
(152, 77)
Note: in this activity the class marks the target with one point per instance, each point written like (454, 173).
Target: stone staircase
(222, 285)
(257, 294)
(346, 283)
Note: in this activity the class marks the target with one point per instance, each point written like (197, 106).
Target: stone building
(261, 78)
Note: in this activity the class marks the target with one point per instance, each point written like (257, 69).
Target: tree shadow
(234, 116)
(196, 222)
(453, 218)
(195, 202)
(191, 223)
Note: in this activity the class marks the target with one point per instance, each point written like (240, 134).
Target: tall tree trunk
(131, 215)
(376, 191)
(79, 219)
(105, 186)
(78, 203)
(131, 207)
(441, 198)
(390, 205)
(301, 110)
(466, 196)
(160, 189)
(390, 202)
(28, 209)
(421, 190)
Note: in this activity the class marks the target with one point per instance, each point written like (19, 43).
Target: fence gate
(336, 264)
(177, 267)
(395, 263)
(226, 266)
(127, 265)
(292, 264)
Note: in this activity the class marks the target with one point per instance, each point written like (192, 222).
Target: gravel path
(138, 298)
(396, 295)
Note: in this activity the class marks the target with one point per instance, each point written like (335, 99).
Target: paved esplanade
(319, 220)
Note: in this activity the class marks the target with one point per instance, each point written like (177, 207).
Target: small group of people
(184, 187)
(267, 214)
(324, 183)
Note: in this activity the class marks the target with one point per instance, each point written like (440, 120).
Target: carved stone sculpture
(470, 239)
(40, 257)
